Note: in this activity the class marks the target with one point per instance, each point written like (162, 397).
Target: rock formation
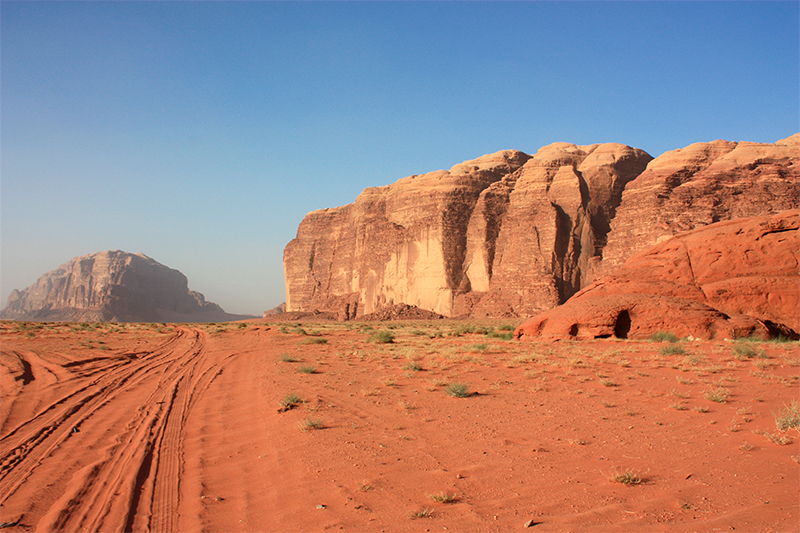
(510, 234)
(533, 236)
(402, 243)
(112, 286)
(463, 241)
(702, 184)
(730, 279)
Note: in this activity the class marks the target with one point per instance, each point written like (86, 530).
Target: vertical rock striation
(510, 234)
(401, 243)
(534, 236)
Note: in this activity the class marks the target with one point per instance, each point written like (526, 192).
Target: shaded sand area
(286, 427)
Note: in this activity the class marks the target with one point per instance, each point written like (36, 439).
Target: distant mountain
(113, 286)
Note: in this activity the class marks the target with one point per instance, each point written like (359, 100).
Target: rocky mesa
(112, 286)
(511, 234)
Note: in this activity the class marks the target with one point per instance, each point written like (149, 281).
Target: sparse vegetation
(311, 423)
(627, 478)
(443, 497)
(307, 369)
(672, 349)
(286, 358)
(381, 337)
(422, 513)
(719, 395)
(290, 401)
(413, 366)
(788, 417)
(748, 350)
(663, 336)
(457, 390)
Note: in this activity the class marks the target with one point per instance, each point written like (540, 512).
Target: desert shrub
(627, 478)
(506, 327)
(788, 417)
(479, 347)
(316, 340)
(465, 329)
(672, 349)
(311, 423)
(504, 335)
(747, 350)
(457, 390)
(307, 369)
(413, 366)
(663, 336)
(289, 401)
(286, 358)
(381, 337)
(719, 395)
(443, 497)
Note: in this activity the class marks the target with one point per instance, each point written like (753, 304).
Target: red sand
(180, 430)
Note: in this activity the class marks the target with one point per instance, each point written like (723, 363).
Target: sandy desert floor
(309, 427)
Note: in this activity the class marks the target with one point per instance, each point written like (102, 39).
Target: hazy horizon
(201, 133)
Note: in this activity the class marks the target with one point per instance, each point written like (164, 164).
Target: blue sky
(201, 133)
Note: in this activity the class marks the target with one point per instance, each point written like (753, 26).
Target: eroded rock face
(510, 234)
(463, 241)
(699, 185)
(402, 243)
(112, 286)
(730, 279)
(533, 237)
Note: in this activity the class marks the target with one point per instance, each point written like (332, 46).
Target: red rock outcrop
(730, 279)
(699, 185)
(463, 241)
(534, 235)
(510, 234)
(112, 286)
(401, 243)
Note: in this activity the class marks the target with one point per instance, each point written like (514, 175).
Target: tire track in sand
(128, 478)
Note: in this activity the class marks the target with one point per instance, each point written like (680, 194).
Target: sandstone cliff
(510, 234)
(730, 279)
(112, 286)
(402, 243)
(702, 184)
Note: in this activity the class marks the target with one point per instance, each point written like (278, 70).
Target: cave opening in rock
(623, 325)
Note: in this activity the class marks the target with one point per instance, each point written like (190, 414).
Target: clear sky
(201, 133)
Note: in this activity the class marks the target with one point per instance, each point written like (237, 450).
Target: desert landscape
(584, 339)
(378, 267)
(434, 425)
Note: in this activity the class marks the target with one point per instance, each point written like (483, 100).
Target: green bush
(457, 390)
(672, 350)
(745, 350)
(663, 336)
(381, 337)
